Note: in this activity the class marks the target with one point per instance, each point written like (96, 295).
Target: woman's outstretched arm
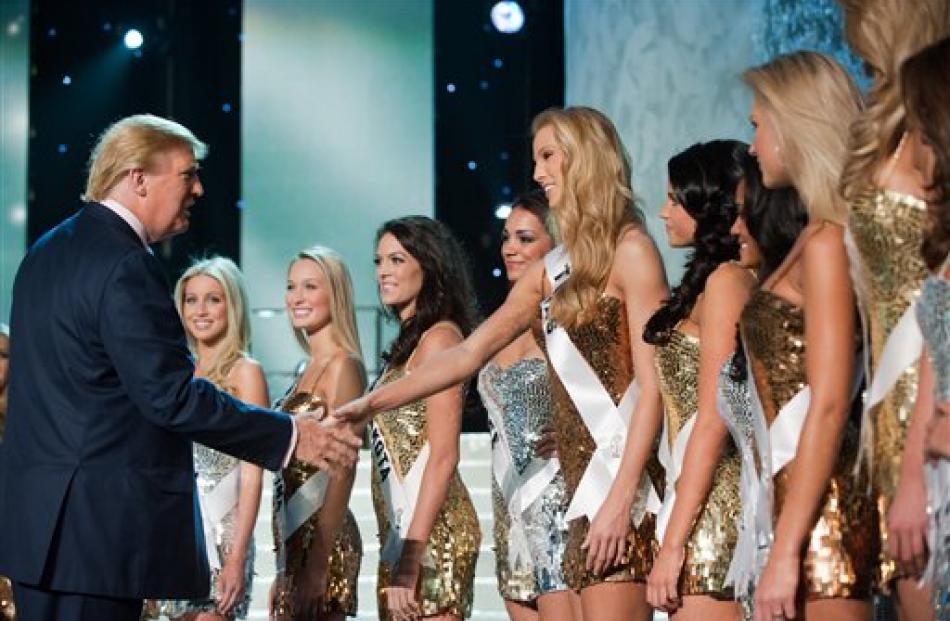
(456, 364)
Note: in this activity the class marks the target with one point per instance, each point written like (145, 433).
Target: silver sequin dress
(735, 409)
(933, 315)
(210, 467)
(520, 397)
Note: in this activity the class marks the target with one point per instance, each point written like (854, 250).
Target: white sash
(215, 505)
(519, 490)
(294, 512)
(400, 496)
(777, 445)
(607, 423)
(672, 462)
(902, 349)
(754, 538)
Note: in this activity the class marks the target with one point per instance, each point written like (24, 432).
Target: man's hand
(331, 445)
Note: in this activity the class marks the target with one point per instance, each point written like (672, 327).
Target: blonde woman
(887, 223)
(316, 537)
(599, 289)
(211, 299)
(800, 335)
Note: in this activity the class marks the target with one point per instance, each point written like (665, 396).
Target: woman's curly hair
(703, 180)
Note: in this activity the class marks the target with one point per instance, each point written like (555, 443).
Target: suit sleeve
(144, 338)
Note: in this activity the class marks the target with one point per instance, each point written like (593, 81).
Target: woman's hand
(401, 594)
(546, 446)
(230, 586)
(938, 433)
(311, 584)
(907, 525)
(663, 583)
(777, 590)
(606, 541)
(272, 599)
(356, 411)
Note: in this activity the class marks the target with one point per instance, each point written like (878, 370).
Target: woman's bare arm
(638, 272)
(456, 364)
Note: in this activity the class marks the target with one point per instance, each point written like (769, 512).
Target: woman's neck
(206, 353)
(322, 343)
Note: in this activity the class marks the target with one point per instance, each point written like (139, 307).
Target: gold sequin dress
(605, 344)
(448, 571)
(343, 566)
(842, 548)
(713, 535)
(887, 228)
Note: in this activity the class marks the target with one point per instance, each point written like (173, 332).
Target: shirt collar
(130, 218)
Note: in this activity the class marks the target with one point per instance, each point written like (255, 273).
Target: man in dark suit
(97, 494)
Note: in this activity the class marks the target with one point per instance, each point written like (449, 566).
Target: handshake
(328, 441)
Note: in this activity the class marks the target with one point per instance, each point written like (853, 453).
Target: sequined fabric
(448, 575)
(605, 344)
(933, 315)
(520, 396)
(7, 609)
(343, 565)
(843, 543)
(738, 419)
(713, 536)
(888, 227)
(211, 467)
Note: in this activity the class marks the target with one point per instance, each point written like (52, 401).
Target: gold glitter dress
(448, 569)
(605, 344)
(713, 536)
(887, 228)
(343, 566)
(838, 558)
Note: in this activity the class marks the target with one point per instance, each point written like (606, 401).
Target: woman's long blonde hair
(342, 308)
(237, 336)
(597, 204)
(811, 102)
(885, 33)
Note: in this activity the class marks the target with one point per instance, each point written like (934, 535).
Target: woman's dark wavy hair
(447, 293)
(775, 219)
(925, 81)
(703, 179)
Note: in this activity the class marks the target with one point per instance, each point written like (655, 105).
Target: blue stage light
(133, 39)
(507, 16)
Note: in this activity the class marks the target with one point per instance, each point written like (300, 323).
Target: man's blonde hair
(133, 142)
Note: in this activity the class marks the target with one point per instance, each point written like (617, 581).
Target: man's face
(172, 185)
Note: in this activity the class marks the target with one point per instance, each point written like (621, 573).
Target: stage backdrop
(668, 73)
(14, 104)
(337, 138)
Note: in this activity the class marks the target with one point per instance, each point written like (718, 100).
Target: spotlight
(133, 39)
(507, 16)
(502, 211)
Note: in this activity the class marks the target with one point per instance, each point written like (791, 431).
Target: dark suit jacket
(97, 490)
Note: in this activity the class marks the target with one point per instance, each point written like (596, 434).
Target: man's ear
(138, 181)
